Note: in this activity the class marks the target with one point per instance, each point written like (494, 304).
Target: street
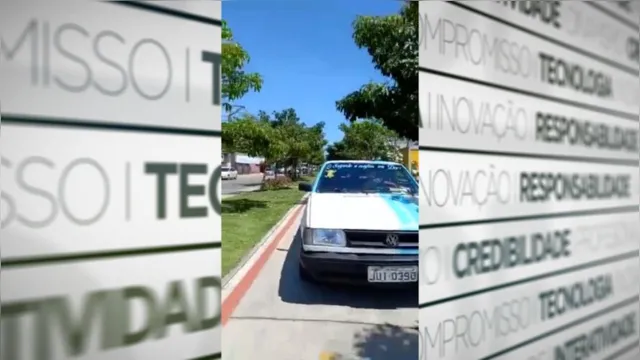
(249, 182)
(282, 318)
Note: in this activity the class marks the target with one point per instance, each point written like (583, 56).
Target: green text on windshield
(353, 177)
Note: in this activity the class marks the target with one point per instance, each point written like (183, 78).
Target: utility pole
(408, 154)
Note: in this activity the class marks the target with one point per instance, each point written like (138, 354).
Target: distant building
(243, 163)
(411, 156)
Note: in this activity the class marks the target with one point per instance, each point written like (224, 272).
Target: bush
(281, 182)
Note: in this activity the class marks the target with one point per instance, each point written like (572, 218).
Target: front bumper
(352, 268)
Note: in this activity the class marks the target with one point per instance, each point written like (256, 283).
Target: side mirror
(304, 187)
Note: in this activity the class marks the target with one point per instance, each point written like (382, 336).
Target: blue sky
(305, 53)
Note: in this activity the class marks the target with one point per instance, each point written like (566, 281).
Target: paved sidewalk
(279, 317)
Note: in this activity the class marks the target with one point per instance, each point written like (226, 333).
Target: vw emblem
(391, 240)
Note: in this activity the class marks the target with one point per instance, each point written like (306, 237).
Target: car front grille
(373, 239)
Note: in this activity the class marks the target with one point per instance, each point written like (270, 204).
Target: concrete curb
(264, 241)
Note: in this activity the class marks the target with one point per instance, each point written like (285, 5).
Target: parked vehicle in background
(291, 172)
(269, 174)
(360, 224)
(229, 173)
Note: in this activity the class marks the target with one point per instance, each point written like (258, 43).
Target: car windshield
(353, 177)
(226, 169)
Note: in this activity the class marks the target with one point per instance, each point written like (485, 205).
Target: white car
(229, 173)
(361, 224)
(269, 174)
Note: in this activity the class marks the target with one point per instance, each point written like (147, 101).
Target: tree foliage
(280, 137)
(337, 151)
(235, 81)
(302, 143)
(252, 136)
(364, 140)
(392, 43)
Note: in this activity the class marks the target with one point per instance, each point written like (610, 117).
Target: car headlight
(327, 237)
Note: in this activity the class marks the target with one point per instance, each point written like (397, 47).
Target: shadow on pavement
(293, 290)
(234, 206)
(387, 342)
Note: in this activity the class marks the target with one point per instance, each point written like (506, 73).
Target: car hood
(363, 211)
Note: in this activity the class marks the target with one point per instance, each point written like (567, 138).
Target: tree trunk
(294, 169)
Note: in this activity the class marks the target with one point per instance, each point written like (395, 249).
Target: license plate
(392, 274)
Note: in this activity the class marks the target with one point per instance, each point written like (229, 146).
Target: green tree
(364, 140)
(301, 143)
(293, 135)
(337, 151)
(254, 137)
(317, 142)
(392, 42)
(235, 81)
(317, 157)
(281, 138)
